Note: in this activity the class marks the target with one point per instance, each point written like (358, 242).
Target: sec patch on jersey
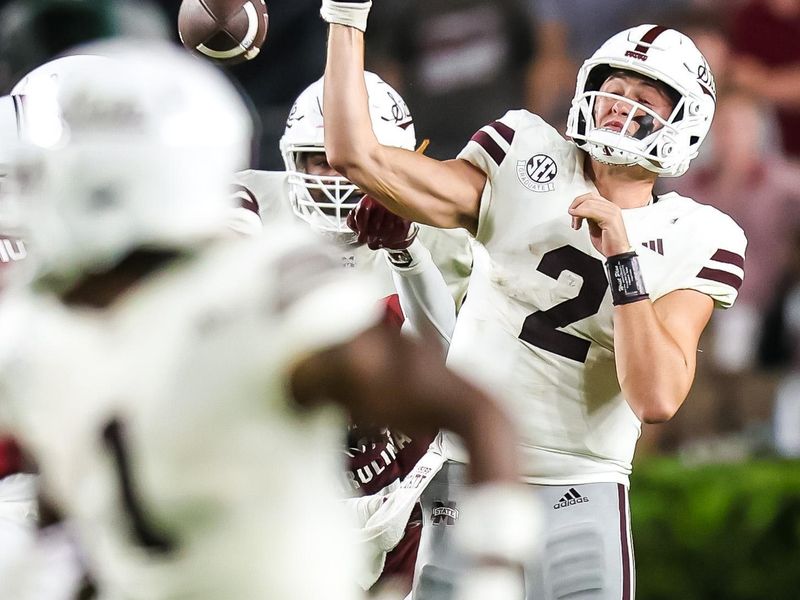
(226, 31)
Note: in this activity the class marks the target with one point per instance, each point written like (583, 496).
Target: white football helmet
(304, 133)
(12, 247)
(668, 145)
(135, 147)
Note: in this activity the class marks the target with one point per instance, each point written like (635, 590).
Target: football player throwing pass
(588, 312)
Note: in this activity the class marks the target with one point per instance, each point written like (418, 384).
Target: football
(226, 31)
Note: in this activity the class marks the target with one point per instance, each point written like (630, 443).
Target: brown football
(226, 31)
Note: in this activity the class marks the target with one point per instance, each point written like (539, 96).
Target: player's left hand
(378, 227)
(606, 227)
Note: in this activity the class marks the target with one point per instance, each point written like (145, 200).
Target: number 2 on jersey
(540, 328)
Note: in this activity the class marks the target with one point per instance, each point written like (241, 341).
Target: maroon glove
(378, 227)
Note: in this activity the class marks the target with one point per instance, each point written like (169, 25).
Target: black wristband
(625, 278)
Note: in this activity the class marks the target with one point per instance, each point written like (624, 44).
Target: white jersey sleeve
(489, 146)
(451, 250)
(495, 150)
(424, 297)
(686, 245)
(259, 196)
(720, 272)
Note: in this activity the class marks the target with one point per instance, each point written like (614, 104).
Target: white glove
(383, 518)
(352, 14)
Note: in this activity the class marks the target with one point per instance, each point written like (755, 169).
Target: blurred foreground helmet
(304, 134)
(35, 31)
(10, 131)
(125, 146)
(663, 55)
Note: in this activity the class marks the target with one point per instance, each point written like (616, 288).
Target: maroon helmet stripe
(492, 148)
(721, 277)
(623, 536)
(648, 38)
(728, 257)
(504, 130)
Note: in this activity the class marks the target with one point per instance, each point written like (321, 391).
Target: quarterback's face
(611, 113)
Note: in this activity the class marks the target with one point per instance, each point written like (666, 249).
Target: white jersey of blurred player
(323, 201)
(128, 466)
(172, 499)
(556, 332)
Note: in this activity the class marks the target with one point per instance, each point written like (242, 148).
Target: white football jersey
(537, 324)
(267, 193)
(163, 427)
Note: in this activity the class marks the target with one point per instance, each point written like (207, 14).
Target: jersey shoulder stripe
(720, 276)
(486, 139)
(721, 272)
(726, 259)
(492, 143)
(246, 199)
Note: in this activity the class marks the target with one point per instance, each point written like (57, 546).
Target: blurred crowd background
(462, 63)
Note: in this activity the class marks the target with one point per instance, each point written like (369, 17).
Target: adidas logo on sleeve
(571, 498)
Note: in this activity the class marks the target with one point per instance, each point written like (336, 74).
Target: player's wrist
(625, 278)
(410, 254)
(351, 14)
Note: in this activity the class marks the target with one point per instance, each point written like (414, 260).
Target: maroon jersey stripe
(721, 277)
(246, 198)
(623, 536)
(648, 38)
(492, 148)
(504, 130)
(731, 258)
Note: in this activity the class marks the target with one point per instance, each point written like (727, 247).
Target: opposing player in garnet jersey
(588, 309)
(184, 395)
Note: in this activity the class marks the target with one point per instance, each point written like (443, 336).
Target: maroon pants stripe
(627, 576)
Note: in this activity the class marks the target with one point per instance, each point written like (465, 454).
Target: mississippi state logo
(537, 173)
(444, 513)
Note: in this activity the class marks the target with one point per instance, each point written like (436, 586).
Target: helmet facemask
(646, 138)
(322, 201)
(325, 201)
(672, 62)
